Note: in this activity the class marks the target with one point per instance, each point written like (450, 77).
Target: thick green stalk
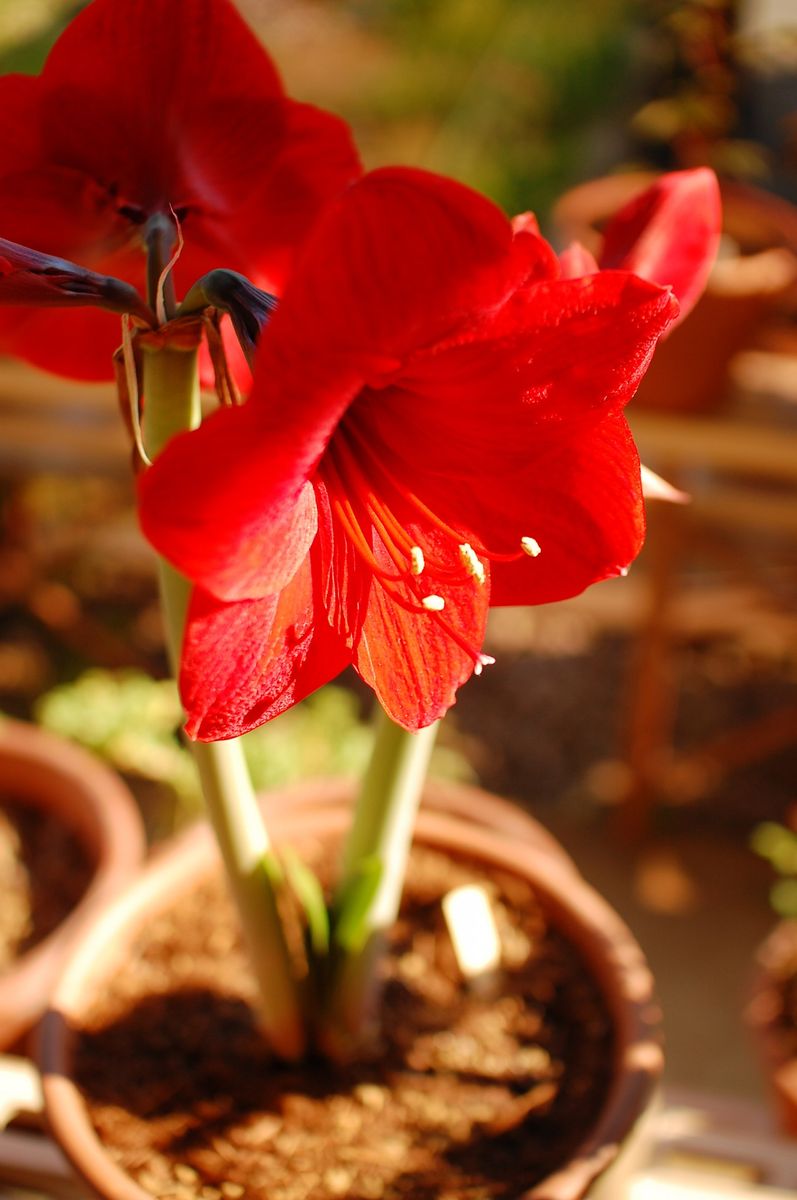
(171, 393)
(378, 841)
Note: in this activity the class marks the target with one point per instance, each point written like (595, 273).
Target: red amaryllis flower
(146, 107)
(436, 425)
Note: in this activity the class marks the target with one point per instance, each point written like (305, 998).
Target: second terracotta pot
(45, 772)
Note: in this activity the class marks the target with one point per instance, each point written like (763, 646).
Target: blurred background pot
(49, 776)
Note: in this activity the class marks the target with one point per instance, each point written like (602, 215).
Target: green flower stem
(381, 833)
(171, 393)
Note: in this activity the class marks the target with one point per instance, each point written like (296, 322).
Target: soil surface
(472, 1095)
(44, 871)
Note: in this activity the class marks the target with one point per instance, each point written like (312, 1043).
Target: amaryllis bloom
(436, 426)
(148, 107)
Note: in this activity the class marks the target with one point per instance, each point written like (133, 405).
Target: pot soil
(156, 1081)
(772, 1015)
(70, 838)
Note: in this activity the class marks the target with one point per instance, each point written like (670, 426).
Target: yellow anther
(433, 603)
(530, 546)
(417, 561)
(471, 561)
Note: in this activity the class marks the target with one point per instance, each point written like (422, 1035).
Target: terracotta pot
(575, 910)
(48, 773)
(472, 804)
(776, 962)
(689, 371)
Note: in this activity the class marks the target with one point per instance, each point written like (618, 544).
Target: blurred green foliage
(778, 845)
(133, 722)
(509, 97)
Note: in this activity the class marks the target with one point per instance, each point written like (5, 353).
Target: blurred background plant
(777, 844)
(132, 721)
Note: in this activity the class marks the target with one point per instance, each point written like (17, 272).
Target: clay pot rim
(465, 800)
(41, 768)
(604, 942)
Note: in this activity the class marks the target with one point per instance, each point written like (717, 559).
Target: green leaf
(350, 920)
(310, 895)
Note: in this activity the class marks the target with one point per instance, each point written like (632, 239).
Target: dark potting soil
(470, 1096)
(44, 871)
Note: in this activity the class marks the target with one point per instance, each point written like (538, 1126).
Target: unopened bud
(32, 278)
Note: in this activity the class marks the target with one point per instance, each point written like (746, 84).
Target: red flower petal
(124, 81)
(412, 656)
(411, 660)
(202, 506)
(669, 234)
(583, 506)
(271, 186)
(244, 663)
(558, 355)
(399, 261)
(20, 129)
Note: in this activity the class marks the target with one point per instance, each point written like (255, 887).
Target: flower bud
(44, 281)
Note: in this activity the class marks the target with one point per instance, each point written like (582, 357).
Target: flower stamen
(471, 562)
(362, 512)
(529, 546)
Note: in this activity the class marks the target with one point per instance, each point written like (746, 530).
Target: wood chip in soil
(471, 1097)
(44, 871)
